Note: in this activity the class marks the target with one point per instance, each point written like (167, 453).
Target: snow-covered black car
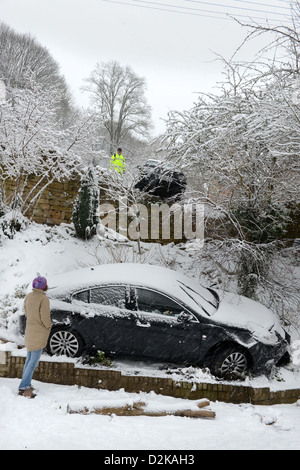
(155, 313)
(161, 179)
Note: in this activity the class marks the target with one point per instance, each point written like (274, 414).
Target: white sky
(173, 50)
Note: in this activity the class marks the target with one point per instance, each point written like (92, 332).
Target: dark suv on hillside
(161, 179)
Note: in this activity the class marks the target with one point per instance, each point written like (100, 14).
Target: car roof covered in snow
(183, 288)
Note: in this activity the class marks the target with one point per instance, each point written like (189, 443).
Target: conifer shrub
(85, 211)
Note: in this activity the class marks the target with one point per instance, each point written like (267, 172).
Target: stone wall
(54, 206)
(66, 373)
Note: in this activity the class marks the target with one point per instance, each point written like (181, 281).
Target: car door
(108, 323)
(159, 334)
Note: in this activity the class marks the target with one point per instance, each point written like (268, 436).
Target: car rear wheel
(65, 341)
(230, 363)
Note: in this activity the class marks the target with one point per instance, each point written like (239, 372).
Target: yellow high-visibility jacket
(117, 162)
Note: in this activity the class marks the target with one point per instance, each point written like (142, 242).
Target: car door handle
(143, 324)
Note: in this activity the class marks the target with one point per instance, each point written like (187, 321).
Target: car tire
(64, 340)
(230, 362)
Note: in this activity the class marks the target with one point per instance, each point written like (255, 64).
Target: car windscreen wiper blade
(205, 311)
(198, 293)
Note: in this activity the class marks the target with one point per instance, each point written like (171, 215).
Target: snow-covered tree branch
(33, 141)
(243, 146)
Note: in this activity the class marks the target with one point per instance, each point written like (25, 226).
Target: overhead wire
(263, 4)
(190, 11)
(234, 7)
(200, 2)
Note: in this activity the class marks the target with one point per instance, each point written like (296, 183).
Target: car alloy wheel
(235, 364)
(65, 341)
(230, 362)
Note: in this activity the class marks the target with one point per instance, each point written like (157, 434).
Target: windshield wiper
(215, 294)
(195, 300)
(210, 290)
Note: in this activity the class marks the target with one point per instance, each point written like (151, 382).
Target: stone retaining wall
(55, 203)
(66, 373)
(54, 206)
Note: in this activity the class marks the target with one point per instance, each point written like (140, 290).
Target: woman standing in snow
(38, 326)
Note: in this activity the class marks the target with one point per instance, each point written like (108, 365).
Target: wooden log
(126, 410)
(195, 413)
(138, 409)
(133, 409)
(129, 410)
(202, 403)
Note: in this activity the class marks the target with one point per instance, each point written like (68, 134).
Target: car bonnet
(239, 311)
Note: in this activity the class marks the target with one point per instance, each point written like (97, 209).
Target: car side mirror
(184, 317)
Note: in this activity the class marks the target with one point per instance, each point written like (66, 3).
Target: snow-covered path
(43, 423)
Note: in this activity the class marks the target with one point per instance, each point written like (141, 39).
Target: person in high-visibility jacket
(117, 162)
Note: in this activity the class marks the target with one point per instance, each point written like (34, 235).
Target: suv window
(108, 295)
(154, 302)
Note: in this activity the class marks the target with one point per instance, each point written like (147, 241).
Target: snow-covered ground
(43, 423)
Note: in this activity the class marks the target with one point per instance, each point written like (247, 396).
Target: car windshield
(168, 166)
(152, 163)
(206, 299)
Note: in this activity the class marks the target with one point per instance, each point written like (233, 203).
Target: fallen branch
(139, 408)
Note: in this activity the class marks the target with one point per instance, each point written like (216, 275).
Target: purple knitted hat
(39, 282)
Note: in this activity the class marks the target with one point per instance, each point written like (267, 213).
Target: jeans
(31, 362)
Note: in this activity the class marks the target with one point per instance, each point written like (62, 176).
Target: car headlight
(264, 336)
(270, 337)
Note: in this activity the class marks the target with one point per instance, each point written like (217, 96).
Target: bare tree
(117, 93)
(23, 61)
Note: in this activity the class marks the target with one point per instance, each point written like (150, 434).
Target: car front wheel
(65, 341)
(230, 363)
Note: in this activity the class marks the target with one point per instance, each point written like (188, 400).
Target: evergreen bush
(85, 212)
